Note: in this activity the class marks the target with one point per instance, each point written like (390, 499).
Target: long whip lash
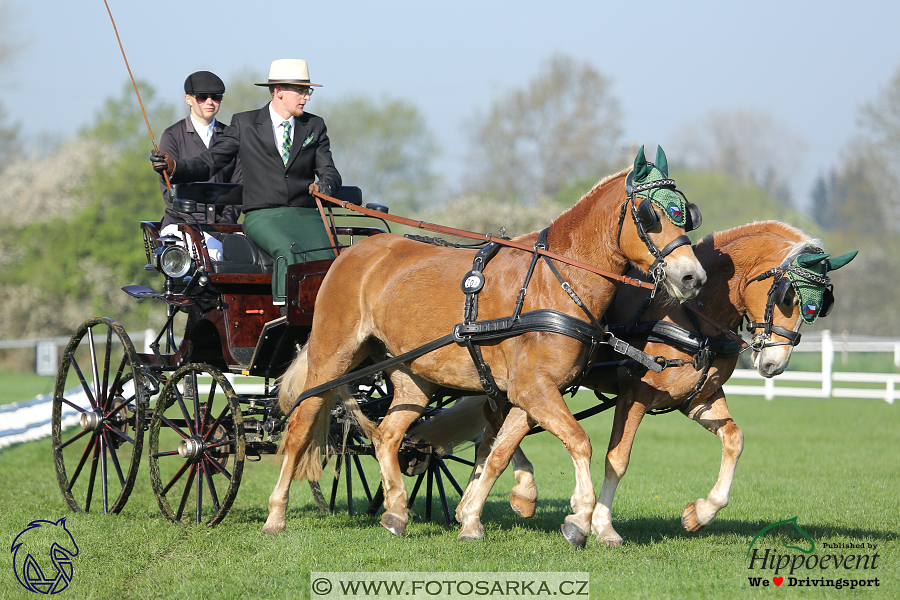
(133, 83)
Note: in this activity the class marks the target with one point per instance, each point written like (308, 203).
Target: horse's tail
(462, 423)
(292, 384)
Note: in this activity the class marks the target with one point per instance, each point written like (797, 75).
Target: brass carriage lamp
(171, 258)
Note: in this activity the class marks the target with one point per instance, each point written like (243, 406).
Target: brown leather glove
(162, 162)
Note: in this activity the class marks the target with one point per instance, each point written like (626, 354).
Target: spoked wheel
(102, 391)
(347, 452)
(348, 473)
(197, 446)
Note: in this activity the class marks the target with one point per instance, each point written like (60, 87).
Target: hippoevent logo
(42, 556)
(831, 567)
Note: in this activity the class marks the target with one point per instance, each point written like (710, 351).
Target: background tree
(384, 147)
(561, 126)
(10, 145)
(748, 145)
(70, 262)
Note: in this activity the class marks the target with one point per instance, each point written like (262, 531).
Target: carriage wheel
(197, 446)
(96, 392)
(423, 467)
(346, 470)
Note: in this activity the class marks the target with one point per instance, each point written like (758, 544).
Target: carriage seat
(242, 256)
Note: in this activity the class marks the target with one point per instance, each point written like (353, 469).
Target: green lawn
(17, 386)
(831, 463)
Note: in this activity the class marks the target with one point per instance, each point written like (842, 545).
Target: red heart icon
(778, 580)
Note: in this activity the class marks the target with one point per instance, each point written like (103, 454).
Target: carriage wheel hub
(91, 421)
(190, 448)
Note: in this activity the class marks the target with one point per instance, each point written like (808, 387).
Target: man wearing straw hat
(285, 155)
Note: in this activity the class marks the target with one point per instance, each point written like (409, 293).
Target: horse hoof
(524, 507)
(394, 524)
(689, 519)
(273, 529)
(471, 536)
(573, 535)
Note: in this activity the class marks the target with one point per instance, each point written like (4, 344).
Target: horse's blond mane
(778, 228)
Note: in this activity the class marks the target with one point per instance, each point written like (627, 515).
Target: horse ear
(641, 169)
(807, 261)
(661, 163)
(839, 261)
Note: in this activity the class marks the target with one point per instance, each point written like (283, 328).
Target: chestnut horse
(739, 263)
(388, 295)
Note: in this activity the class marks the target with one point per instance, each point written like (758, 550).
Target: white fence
(823, 382)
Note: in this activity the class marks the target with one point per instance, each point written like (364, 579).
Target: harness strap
(371, 370)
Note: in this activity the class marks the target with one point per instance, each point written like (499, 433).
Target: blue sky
(811, 65)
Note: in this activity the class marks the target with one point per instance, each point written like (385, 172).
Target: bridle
(776, 296)
(647, 221)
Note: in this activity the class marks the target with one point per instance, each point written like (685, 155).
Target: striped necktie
(286, 143)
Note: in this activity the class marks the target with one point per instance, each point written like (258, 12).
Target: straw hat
(289, 71)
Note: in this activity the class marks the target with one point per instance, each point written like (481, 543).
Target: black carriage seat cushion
(242, 256)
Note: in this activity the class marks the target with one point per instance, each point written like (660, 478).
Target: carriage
(178, 394)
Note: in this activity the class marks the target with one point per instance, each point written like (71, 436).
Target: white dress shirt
(204, 131)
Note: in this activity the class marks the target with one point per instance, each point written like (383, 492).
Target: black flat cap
(203, 82)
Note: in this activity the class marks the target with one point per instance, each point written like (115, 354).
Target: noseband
(657, 270)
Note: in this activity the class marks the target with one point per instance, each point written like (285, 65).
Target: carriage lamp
(170, 258)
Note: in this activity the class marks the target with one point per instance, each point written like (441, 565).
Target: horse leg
(625, 424)
(301, 428)
(507, 439)
(523, 497)
(408, 405)
(714, 416)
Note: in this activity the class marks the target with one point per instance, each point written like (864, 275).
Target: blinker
(647, 217)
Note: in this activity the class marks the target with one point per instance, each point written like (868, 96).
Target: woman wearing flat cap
(285, 155)
(188, 139)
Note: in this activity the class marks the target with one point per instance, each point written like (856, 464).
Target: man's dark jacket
(182, 142)
(268, 182)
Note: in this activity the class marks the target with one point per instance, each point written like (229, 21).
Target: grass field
(831, 463)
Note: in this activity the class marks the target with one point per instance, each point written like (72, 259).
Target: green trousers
(291, 235)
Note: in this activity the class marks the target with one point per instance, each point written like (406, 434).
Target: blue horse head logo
(30, 549)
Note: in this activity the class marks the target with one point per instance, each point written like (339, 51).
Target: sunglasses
(300, 89)
(203, 97)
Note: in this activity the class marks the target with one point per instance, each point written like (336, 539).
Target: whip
(133, 83)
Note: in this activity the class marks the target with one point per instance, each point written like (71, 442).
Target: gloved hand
(322, 188)
(162, 162)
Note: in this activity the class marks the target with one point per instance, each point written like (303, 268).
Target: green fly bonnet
(651, 181)
(807, 274)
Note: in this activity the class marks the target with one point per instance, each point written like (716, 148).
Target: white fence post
(149, 336)
(827, 362)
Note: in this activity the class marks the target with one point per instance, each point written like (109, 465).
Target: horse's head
(654, 239)
(800, 292)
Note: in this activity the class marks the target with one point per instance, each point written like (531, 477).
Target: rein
(487, 237)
